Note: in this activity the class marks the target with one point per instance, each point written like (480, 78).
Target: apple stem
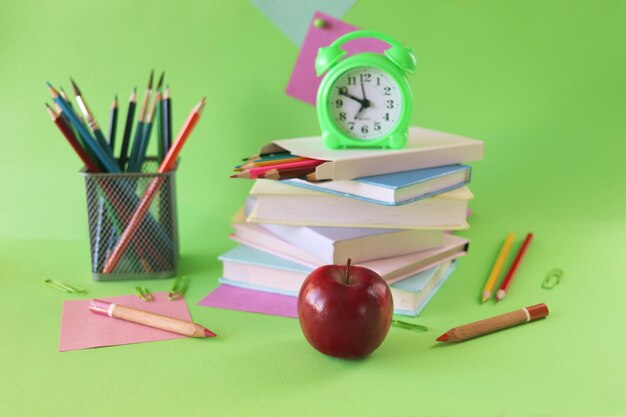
(348, 261)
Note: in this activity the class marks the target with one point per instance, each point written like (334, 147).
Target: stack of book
(397, 219)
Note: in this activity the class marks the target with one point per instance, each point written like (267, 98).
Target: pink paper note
(303, 82)
(82, 329)
(230, 297)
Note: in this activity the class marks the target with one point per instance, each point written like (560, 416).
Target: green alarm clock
(365, 100)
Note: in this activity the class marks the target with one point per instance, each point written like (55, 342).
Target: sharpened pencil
(143, 206)
(167, 120)
(506, 283)
(130, 116)
(497, 267)
(257, 172)
(286, 174)
(113, 123)
(132, 162)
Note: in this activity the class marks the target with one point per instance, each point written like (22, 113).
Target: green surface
(542, 83)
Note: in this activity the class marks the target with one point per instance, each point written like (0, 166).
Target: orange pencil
(506, 283)
(493, 324)
(153, 187)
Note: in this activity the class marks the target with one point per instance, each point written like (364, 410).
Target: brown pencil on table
(146, 318)
(493, 324)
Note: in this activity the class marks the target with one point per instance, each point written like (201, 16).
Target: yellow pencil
(497, 266)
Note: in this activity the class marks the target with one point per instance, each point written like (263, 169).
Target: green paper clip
(409, 326)
(178, 289)
(552, 279)
(144, 293)
(58, 285)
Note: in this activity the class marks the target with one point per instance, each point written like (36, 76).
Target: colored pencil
(147, 128)
(255, 172)
(132, 162)
(91, 120)
(508, 279)
(113, 124)
(160, 133)
(143, 206)
(285, 174)
(67, 132)
(107, 161)
(270, 162)
(167, 120)
(130, 116)
(146, 318)
(493, 324)
(497, 267)
(258, 157)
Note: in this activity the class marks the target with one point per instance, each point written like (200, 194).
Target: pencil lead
(52, 90)
(160, 83)
(47, 105)
(48, 84)
(75, 87)
(443, 338)
(133, 95)
(150, 79)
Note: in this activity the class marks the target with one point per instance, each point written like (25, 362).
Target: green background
(541, 82)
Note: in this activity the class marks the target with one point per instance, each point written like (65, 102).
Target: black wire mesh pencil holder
(152, 244)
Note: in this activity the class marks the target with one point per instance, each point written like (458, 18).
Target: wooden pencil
(130, 116)
(493, 324)
(147, 318)
(67, 132)
(167, 120)
(107, 161)
(286, 174)
(256, 172)
(508, 279)
(147, 128)
(132, 162)
(91, 120)
(113, 124)
(270, 162)
(144, 204)
(497, 267)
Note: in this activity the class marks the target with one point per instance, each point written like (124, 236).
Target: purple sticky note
(230, 297)
(303, 82)
(82, 329)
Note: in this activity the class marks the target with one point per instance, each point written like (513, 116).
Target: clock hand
(352, 97)
(363, 91)
(365, 103)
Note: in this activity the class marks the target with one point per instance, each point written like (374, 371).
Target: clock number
(364, 129)
(342, 116)
(389, 104)
(342, 91)
(377, 80)
(351, 125)
(366, 78)
(351, 80)
(339, 103)
(386, 117)
(376, 126)
(387, 91)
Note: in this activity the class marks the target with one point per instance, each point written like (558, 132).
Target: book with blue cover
(397, 188)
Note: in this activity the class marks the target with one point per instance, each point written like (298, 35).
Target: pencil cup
(113, 202)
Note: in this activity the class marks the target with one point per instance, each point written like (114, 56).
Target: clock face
(365, 103)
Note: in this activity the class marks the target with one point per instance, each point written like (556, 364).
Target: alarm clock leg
(398, 140)
(331, 140)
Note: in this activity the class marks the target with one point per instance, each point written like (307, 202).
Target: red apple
(345, 311)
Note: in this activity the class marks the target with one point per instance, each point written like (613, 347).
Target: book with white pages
(397, 188)
(333, 245)
(239, 265)
(278, 203)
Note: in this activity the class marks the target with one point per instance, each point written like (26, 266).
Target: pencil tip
(443, 338)
(208, 333)
(150, 79)
(74, 87)
(47, 105)
(160, 83)
(48, 84)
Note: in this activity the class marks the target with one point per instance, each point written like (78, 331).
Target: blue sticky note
(293, 17)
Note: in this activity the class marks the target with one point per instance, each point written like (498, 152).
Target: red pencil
(151, 191)
(71, 138)
(506, 283)
(260, 171)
